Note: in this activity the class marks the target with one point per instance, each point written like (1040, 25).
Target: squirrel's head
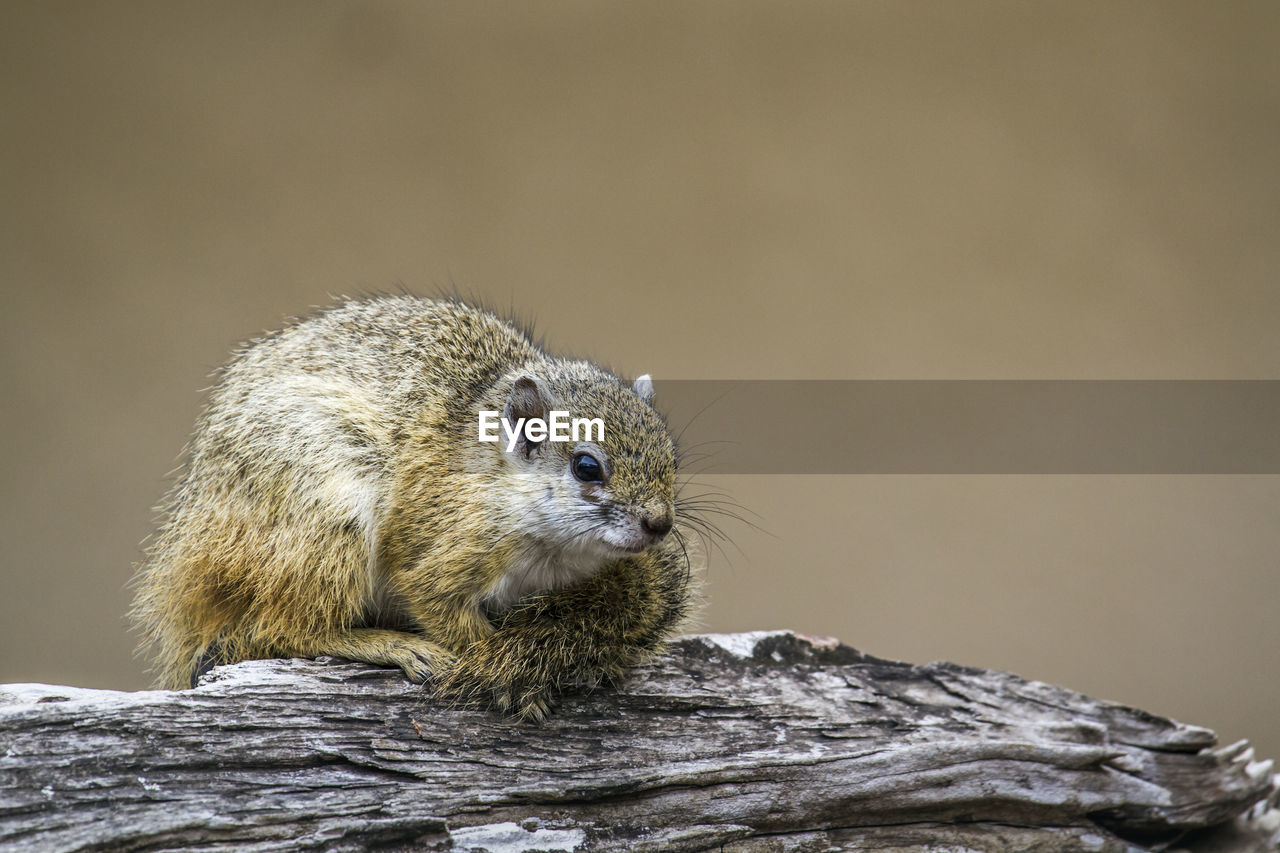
(595, 462)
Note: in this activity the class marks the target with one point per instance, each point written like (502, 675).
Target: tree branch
(740, 742)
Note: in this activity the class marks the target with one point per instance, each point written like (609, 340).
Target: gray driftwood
(745, 742)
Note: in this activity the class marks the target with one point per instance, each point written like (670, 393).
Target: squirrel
(337, 500)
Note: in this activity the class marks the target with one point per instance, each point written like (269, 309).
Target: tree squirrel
(337, 501)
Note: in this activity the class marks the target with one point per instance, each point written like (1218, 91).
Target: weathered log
(745, 742)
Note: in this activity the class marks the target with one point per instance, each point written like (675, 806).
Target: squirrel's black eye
(587, 468)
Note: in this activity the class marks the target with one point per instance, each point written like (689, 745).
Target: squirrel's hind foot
(416, 656)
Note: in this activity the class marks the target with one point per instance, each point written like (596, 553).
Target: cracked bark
(747, 742)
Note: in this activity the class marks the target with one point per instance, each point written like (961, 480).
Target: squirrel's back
(372, 364)
(301, 432)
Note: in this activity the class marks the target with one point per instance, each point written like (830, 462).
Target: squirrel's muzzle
(657, 526)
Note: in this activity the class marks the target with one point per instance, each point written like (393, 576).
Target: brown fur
(337, 501)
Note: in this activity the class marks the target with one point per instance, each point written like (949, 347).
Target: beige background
(708, 190)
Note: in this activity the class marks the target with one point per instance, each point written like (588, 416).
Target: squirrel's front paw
(482, 675)
(458, 684)
(531, 709)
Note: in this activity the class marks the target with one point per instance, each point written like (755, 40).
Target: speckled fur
(337, 501)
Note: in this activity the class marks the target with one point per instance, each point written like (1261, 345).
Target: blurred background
(732, 190)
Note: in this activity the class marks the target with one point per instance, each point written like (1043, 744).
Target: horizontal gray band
(975, 426)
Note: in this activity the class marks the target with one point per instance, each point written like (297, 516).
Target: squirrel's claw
(418, 658)
(535, 710)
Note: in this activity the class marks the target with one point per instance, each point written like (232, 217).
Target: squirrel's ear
(528, 400)
(644, 388)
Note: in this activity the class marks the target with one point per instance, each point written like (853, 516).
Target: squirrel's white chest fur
(538, 568)
(556, 547)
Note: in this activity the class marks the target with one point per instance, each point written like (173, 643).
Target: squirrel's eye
(587, 468)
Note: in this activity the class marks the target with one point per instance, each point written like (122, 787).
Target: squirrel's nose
(656, 525)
